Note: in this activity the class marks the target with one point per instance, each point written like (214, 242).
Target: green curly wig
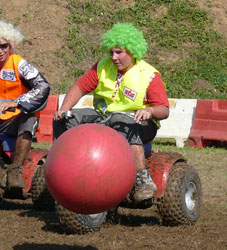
(125, 36)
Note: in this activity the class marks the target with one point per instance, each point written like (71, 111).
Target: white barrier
(180, 120)
(177, 126)
(85, 102)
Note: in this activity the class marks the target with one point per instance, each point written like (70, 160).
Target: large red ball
(90, 169)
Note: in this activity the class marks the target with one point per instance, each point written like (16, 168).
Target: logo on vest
(8, 75)
(131, 94)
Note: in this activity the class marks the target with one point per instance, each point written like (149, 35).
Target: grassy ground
(183, 44)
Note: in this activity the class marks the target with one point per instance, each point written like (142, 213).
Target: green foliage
(168, 145)
(42, 145)
(2, 16)
(183, 44)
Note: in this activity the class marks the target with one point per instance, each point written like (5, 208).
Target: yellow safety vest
(131, 92)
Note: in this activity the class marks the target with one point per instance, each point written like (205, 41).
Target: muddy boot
(144, 186)
(3, 176)
(15, 177)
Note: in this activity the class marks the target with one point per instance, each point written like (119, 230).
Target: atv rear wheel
(41, 198)
(182, 200)
(80, 223)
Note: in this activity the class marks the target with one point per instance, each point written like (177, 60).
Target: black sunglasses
(4, 46)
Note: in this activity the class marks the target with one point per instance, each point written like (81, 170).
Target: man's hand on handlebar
(59, 114)
(142, 115)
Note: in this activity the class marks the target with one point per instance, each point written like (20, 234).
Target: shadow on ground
(33, 246)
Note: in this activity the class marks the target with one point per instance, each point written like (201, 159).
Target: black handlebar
(70, 114)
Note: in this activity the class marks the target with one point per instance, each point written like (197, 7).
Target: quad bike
(178, 198)
(32, 166)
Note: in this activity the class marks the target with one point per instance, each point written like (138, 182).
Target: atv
(178, 197)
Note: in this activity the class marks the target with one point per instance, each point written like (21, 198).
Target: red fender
(29, 166)
(31, 161)
(159, 168)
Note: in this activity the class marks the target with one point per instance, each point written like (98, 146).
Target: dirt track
(25, 229)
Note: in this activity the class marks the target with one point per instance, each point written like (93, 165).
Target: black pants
(133, 132)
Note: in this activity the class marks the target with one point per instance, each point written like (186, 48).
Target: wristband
(150, 110)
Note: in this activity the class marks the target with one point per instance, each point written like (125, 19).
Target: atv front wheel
(79, 223)
(41, 198)
(182, 200)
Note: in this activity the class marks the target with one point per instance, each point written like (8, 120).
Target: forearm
(159, 112)
(72, 97)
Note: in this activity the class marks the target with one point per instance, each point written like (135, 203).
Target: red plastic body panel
(45, 129)
(30, 164)
(210, 123)
(160, 165)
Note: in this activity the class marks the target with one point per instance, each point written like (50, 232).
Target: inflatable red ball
(90, 169)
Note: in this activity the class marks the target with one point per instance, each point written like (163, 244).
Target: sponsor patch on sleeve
(27, 70)
(8, 75)
(131, 94)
